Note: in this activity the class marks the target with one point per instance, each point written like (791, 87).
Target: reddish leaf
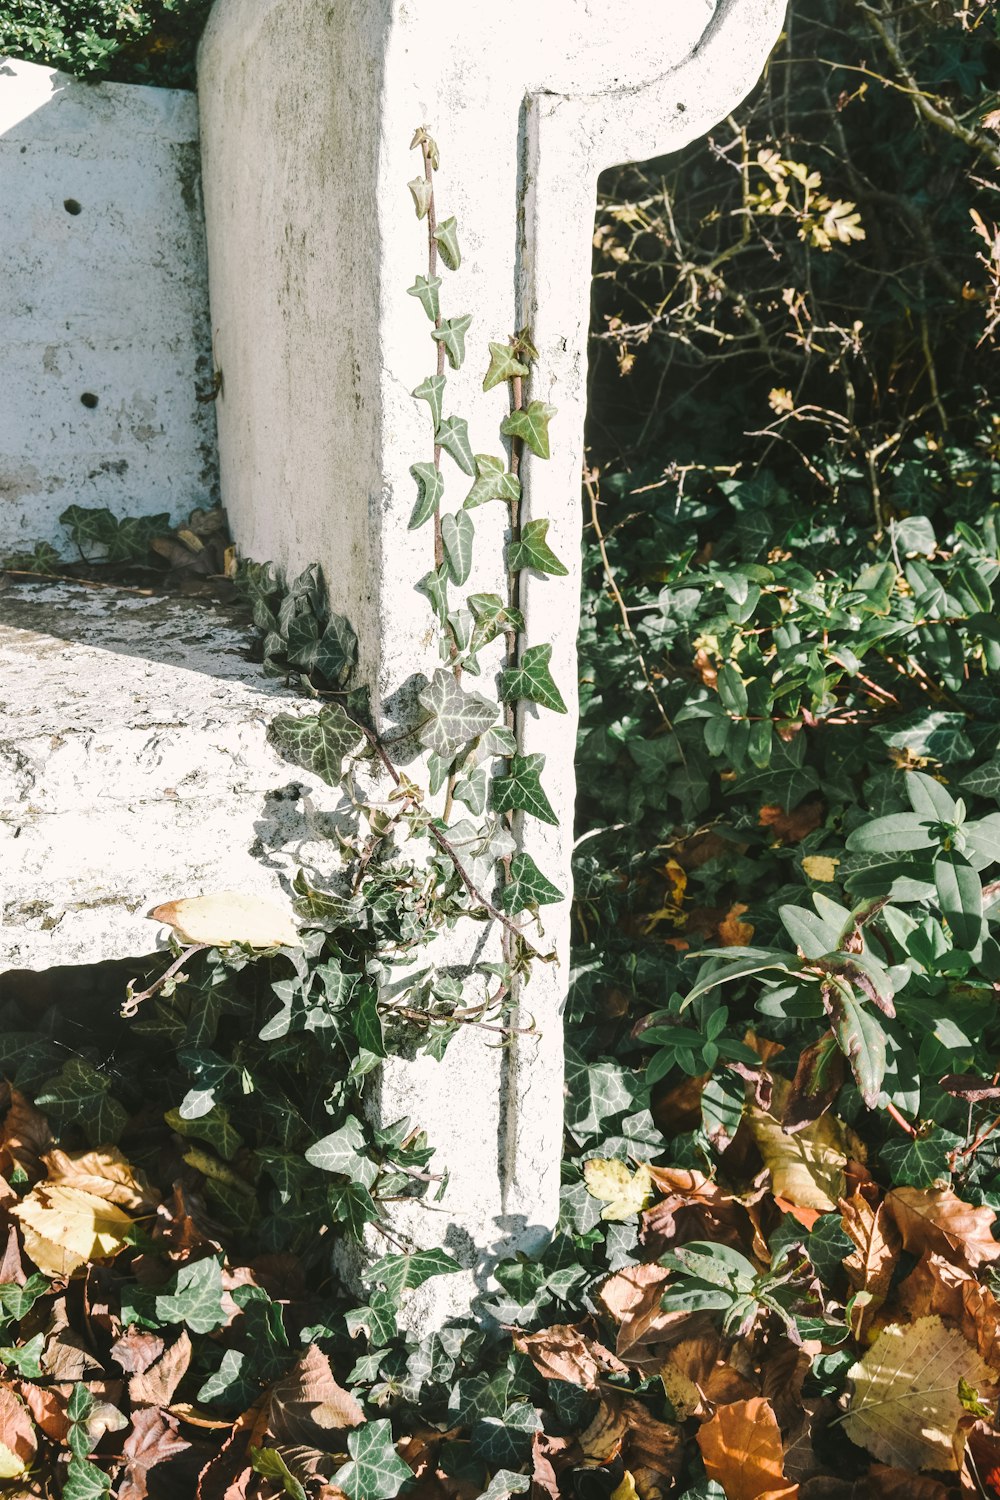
(155, 1385)
(17, 1432)
(742, 1450)
(934, 1220)
(154, 1439)
(562, 1352)
(307, 1404)
(136, 1350)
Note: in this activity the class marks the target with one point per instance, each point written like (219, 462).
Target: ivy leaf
(422, 190)
(431, 390)
(375, 1470)
(521, 791)
(401, 1273)
(457, 535)
(531, 424)
(435, 586)
(533, 680)
(345, 1152)
(533, 551)
(352, 1204)
(493, 617)
(428, 288)
(453, 436)
(377, 1321)
(431, 488)
(79, 1094)
(337, 652)
(504, 365)
(528, 887)
(446, 235)
(452, 335)
(85, 1481)
(194, 1297)
(456, 717)
(473, 790)
(493, 482)
(318, 742)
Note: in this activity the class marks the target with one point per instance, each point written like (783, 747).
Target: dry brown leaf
(307, 1404)
(136, 1350)
(694, 1207)
(873, 1260)
(229, 917)
(154, 1439)
(156, 1385)
(550, 1456)
(24, 1135)
(934, 1221)
(698, 1376)
(732, 932)
(980, 1461)
(904, 1406)
(18, 1444)
(807, 1168)
(562, 1352)
(47, 1404)
(886, 1483)
(791, 827)
(11, 1264)
(652, 1451)
(936, 1286)
(65, 1228)
(106, 1174)
(742, 1450)
(633, 1297)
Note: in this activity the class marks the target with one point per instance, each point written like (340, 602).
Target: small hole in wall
(71, 206)
(88, 399)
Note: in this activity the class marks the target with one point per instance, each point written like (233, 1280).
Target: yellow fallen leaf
(65, 1227)
(806, 1168)
(105, 1173)
(612, 1182)
(905, 1406)
(820, 867)
(626, 1490)
(228, 917)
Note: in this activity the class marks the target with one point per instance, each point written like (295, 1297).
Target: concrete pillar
(103, 305)
(308, 108)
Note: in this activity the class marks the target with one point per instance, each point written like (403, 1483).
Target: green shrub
(151, 41)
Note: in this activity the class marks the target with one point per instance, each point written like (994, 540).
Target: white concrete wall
(308, 107)
(110, 302)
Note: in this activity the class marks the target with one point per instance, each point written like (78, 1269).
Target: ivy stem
(432, 260)
(900, 1120)
(132, 1001)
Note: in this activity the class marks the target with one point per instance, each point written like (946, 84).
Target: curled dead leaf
(935, 1221)
(228, 917)
(563, 1352)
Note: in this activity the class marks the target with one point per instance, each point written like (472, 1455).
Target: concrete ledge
(135, 768)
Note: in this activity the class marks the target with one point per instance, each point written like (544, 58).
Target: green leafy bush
(150, 41)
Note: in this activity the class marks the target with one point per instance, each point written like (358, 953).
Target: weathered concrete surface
(308, 107)
(135, 769)
(103, 294)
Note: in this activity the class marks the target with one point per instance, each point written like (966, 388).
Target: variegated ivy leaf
(431, 390)
(527, 886)
(492, 482)
(453, 436)
(435, 586)
(531, 423)
(479, 846)
(455, 716)
(521, 791)
(532, 679)
(427, 288)
(431, 487)
(461, 623)
(457, 535)
(320, 741)
(473, 790)
(421, 138)
(504, 365)
(493, 617)
(374, 1467)
(422, 191)
(523, 346)
(452, 335)
(498, 741)
(446, 235)
(438, 771)
(533, 551)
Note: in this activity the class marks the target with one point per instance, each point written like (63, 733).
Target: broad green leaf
(451, 334)
(85, 1481)
(455, 716)
(531, 424)
(984, 780)
(430, 489)
(521, 789)
(493, 616)
(961, 896)
(337, 652)
(498, 740)
(26, 1358)
(194, 1297)
(922, 1160)
(80, 1095)
(506, 1482)
(428, 289)
(473, 790)
(531, 679)
(400, 1273)
(453, 436)
(377, 1320)
(375, 1470)
(893, 834)
(422, 191)
(269, 1463)
(351, 1204)
(319, 742)
(860, 1037)
(504, 365)
(431, 390)
(446, 235)
(17, 1301)
(528, 887)
(435, 585)
(213, 1127)
(493, 482)
(929, 799)
(812, 935)
(533, 551)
